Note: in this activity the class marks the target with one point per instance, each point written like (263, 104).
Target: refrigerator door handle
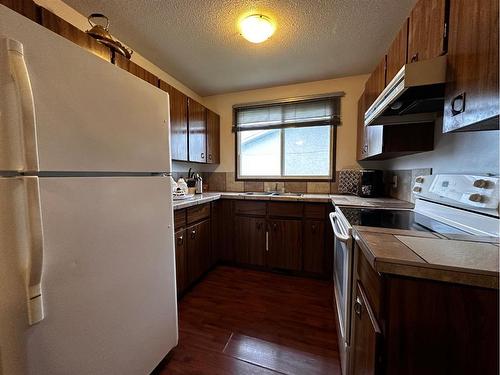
(20, 75)
(35, 261)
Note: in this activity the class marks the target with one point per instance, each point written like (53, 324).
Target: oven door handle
(340, 236)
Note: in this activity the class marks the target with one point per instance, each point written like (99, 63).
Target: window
(287, 139)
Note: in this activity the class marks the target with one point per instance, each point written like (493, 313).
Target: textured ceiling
(197, 41)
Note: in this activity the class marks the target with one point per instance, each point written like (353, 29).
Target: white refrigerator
(87, 265)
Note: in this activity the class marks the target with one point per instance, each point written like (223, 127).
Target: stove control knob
(417, 189)
(480, 183)
(419, 179)
(476, 198)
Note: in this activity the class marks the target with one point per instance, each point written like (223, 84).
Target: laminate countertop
(335, 199)
(464, 259)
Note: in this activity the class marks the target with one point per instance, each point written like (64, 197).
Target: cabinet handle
(180, 240)
(267, 241)
(209, 156)
(458, 104)
(203, 155)
(414, 58)
(274, 227)
(358, 307)
(193, 234)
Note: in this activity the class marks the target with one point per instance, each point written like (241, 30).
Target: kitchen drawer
(371, 281)
(285, 209)
(198, 213)
(179, 219)
(250, 208)
(314, 211)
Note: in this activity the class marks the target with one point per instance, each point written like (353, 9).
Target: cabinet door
(178, 122)
(133, 68)
(397, 53)
(366, 334)
(375, 84)
(427, 28)
(198, 250)
(285, 244)
(180, 260)
(225, 249)
(72, 33)
(471, 93)
(213, 137)
(361, 145)
(250, 240)
(314, 247)
(197, 125)
(25, 7)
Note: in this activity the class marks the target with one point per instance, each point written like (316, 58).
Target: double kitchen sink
(272, 194)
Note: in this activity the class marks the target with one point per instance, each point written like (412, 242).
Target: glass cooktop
(395, 219)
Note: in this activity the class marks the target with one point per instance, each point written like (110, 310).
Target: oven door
(342, 272)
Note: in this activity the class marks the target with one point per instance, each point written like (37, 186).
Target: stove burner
(395, 219)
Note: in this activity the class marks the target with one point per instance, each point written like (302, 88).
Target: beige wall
(346, 135)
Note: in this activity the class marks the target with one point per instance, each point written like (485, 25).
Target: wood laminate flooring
(238, 321)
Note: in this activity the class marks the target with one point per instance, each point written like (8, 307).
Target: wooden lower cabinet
(198, 250)
(414, 326)
(181, 260)
(285, 244)
(314, 257)
(366, 336)
(250, 239)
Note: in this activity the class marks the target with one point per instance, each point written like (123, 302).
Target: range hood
(415, 95)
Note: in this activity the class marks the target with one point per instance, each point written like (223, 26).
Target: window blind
(302, 113)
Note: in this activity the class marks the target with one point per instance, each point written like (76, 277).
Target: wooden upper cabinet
(471, 93)
(136, 70)
(375, 84)
(25, 7)
(426, 32)
(213, 137)
(361, 145)
(178, 122)
(197, 125)
(72, 33)
(397, 53)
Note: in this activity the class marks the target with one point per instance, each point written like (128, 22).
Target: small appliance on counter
(362, 182)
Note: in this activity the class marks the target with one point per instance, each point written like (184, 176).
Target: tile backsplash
(225, 181)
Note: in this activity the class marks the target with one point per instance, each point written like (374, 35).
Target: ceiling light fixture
(257, 28)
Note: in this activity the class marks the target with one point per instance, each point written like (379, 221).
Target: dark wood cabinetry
(213, 137)
(250, 237)
(427, 30)
(181, 260)
(72, 33)
(27, 8)
(285, 244)
(406, 325)
(471, 93)
(178, 122)
(375, 84)
(366, 336)
(397, 53)
(198, 250)
(314, 260)
(134, 69)
(197, 125)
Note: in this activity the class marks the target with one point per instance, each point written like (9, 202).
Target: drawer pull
(358, 307)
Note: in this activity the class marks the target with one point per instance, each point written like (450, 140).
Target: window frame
(281, 178)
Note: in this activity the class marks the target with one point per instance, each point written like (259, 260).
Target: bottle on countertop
(199, 184)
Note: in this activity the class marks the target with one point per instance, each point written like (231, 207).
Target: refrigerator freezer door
(90, 116)
(108, 279)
